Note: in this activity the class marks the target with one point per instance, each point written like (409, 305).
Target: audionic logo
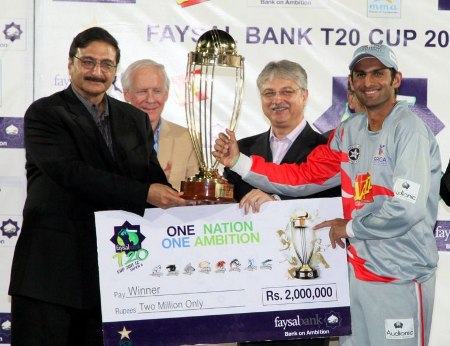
(399, 328)
(406, 190)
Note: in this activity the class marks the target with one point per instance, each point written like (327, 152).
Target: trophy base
(207, 187)
(306, 273)
(203, 192)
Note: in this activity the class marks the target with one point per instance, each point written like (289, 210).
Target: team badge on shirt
(353, 153)
(379, 158)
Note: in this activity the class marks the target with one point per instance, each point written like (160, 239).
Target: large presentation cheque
(210, 274)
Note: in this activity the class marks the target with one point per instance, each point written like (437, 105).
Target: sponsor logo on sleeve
(406, 190)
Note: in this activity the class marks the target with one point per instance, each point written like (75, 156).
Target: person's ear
(397, 80)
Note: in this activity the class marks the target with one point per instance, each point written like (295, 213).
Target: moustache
(278, 106)
(95, 79)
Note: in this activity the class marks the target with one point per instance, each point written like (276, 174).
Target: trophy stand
(213, 69)
(208, 187)
(303, 246)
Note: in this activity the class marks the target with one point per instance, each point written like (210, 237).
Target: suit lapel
(121, 133)
(301, 146)
(83, 118)
(165, 145)
(261, 147)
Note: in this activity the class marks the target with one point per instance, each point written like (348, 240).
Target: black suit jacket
(297, 153)
(445, 186)
(70, 175)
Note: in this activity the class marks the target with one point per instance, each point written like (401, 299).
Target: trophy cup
(304, 241)
(214, 90)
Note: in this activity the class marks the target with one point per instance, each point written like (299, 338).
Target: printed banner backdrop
(319, 34)
(16, 93)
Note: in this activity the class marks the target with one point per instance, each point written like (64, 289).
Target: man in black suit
(283, 86)
(85, 152)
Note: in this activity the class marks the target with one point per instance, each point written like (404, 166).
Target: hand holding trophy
(214, 85)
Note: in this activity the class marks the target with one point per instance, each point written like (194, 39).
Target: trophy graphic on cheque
(214, 90)
(305, 242)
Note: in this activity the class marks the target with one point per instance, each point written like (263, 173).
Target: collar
(157, 130)
(93, 109)
(291, 136)
(156, 136)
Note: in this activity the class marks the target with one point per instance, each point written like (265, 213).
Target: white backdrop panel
(319, 34)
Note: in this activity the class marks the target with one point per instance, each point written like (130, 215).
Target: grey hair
(140, 64)
(283, 69)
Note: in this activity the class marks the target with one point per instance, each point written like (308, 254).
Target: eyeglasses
(286, 93)
(89, 64)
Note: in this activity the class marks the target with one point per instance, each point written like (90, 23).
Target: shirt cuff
(349, 229)
(243, 165)
(276, 197)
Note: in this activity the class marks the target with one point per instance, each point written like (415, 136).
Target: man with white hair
(146, 86)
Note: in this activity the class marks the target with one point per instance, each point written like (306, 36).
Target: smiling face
(148, 92)
(285, 104)
(374, 85)
(92, 83)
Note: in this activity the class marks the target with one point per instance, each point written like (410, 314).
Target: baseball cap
(378, 51)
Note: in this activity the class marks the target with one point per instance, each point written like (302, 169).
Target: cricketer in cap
(388, 164)
(378, 51)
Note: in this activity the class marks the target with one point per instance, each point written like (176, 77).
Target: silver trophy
(214, 90)
(305, 241)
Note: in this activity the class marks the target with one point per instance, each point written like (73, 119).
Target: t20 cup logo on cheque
(127, 237)
(301, 246)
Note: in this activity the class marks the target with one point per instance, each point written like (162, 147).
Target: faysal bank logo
(312, 326)
(127, 238)
(442, 235)
(5, 328)
(12, 31)
(11, 132)
(9, 228)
